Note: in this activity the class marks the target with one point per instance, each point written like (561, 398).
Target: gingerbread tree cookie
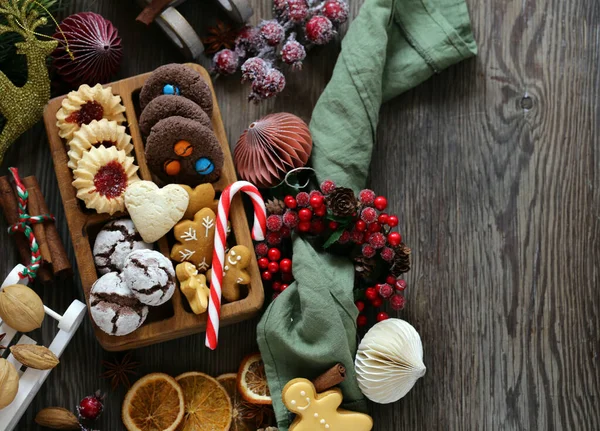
(193, 286)
(195, 240)
(234, 272)
(320, 411)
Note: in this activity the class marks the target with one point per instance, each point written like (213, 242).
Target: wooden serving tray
(173, 319)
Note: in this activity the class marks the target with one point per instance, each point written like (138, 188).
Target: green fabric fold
(391, 46)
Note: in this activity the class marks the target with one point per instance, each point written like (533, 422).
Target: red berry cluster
(274, 269)
(298, 25)
(307, 213)
(389, 291)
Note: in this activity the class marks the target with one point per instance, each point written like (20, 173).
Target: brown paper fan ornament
(271, 147)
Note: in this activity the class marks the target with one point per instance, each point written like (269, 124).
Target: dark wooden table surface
(493, 169)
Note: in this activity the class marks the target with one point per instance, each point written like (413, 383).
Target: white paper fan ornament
(271, 147)
(389, 361)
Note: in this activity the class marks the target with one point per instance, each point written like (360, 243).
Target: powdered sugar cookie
(114, 242)
(150, 276)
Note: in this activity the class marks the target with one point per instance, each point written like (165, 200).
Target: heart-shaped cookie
(155, 211)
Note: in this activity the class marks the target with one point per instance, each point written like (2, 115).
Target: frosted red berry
(370, 293)
(273, 267)
(274, 254)
(382, 316)
(290, 218)
(336, 11)
(304, 226)
(280, 6)
(319, 30)
(261, 249)
(273, 238)
(285, 265)
(297, 10)
(397, 302)
(387, 254)
(254, 68)
(380, 203)
(392, 221)
(305, 214)
(400, 285)
(327, 187)
(385, 290)
(248, 40)
(377, 240)
(303, 199)
(360, 305)
(91, 407)
(394, 238)
(360, 225)
(272, 32)
(268, 86)
(361, 320)
(356, 236)
(345, 237)
(293, 53)
(263, 263)
(366, 197)
(290, 202)
(225, 62)
(368, 251)
(368, 215)
(274, 223)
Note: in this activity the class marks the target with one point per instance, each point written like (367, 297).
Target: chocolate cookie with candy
(182, 151)
(177, 80)
(169, 106)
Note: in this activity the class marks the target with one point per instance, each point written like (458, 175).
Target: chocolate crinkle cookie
(182, 151)
(177, 80)
(113, 306)
(169, 106)
(150, 276)
(114, 242)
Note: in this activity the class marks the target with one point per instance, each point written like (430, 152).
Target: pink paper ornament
(271, 147)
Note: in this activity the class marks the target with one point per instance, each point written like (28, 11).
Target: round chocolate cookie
(113, 306)
(150, 276)
(177, 80)
(182, 151)
(169, 106)
(114, 242)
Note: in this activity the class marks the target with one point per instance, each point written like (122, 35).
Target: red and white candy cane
(258, 234)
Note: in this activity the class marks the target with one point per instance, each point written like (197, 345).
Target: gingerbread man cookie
(202, 196)
(195, 240)
(320, 411)
(235, 273)
(193, 286)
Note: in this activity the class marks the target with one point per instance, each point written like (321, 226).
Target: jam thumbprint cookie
(101, 178)
(97, 133)
(177, 80)
(167, 106)
(183, 151)
(86, 105)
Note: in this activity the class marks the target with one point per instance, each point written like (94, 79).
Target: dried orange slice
(252, 380)
(207, 404)
(246, 416)
(154, 403)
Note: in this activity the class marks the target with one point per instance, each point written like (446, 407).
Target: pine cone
(342, 202)
(275, 206)
(364, 266)
(401, 262)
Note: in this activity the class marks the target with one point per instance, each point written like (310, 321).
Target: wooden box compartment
(173, 319)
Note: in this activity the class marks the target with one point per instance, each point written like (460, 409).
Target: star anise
(221, 36)
(2, 338)
(118, 371)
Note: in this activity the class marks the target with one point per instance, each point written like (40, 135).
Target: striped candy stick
(258, 234)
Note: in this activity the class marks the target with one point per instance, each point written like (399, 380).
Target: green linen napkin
(391, 46)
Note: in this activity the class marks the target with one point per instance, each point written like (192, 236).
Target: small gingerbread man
(320, 411)
(193, 286)
(237, 260)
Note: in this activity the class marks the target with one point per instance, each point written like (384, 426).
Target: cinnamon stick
(330, 378)
(150, 12)
(39, 229)
(10, 208)
(58, 258)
